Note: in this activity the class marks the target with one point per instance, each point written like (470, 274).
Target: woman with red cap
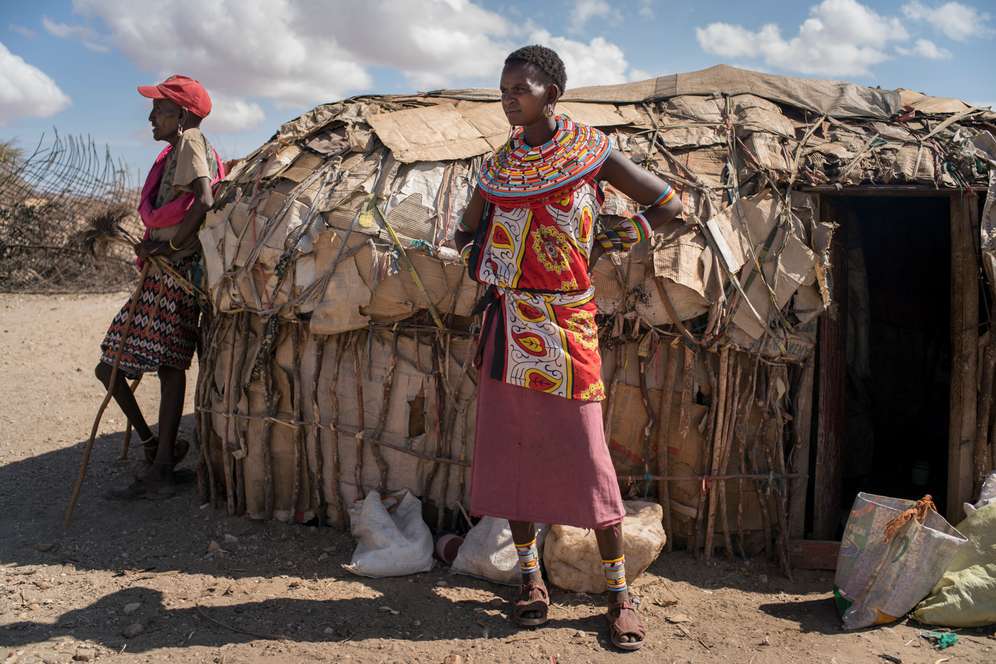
(163, 331)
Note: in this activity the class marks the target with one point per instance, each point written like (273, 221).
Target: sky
(73, 65)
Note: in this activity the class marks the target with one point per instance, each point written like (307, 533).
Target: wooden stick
(705, 457)
(714, 478)
(778, 454)
(719, 433)
(760, 487)
(450, 412)
(688, 381)
(297, 407)
(733, 401)
(339, 502)
(385, 406)
(205, 383)
(741, 447)
(360, 415)
(127, 434)
(240, 341)
(802, 428)
(643, 359)
(464, 411)
(610, 399)
(226, 451)
(664, 433)
(88, 448)
(203, 396)
(318, 478)
(436, 404)
(673, 313)
(271, 411)
(981, 454)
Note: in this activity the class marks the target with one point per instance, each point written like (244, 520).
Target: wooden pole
(964, 353)
(802, 426)
(831, 396)
(719, 434)
(88, 448)
(664, 433)
(981, 458)
(127, 434)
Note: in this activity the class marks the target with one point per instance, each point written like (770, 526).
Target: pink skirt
(540, 458)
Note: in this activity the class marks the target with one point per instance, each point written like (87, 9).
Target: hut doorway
(884, 361)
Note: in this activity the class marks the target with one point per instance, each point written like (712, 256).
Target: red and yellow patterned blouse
(535, 251)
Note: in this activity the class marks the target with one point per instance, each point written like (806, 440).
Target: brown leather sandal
(533, 597)
(625, 621)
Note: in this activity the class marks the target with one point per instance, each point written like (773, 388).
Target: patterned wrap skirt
(164, 330)
(540, 457)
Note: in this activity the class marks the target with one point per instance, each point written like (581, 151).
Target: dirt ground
(146, 582)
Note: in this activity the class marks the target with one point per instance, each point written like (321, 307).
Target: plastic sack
(880, 578)
(987, 495)
(390, 541)
(488, 552)
(966, 594)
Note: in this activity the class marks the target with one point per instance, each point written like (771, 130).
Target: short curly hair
(543, 58)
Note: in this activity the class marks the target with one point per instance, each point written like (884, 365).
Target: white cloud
(646, 9)
(599, 62)
(233, 114)
(586, 10)
(26, 91)
(731, 41)
(955, 20)
(24, 31)
(925, 48)
(84, 33)
(302, 52)
(839, 38)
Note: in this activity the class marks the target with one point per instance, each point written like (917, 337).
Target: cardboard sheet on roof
(445, 132)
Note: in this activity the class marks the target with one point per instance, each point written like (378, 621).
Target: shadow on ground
(216, 622)
(248, 592)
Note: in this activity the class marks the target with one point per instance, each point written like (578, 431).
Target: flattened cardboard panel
(433, 133)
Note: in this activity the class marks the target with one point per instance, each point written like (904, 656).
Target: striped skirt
(164, 329)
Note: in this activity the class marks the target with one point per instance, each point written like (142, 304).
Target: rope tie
(918, 511)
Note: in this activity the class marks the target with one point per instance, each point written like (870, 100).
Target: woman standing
(529, 233)
(163, 332)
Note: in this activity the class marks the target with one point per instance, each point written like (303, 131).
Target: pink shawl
(172, 213)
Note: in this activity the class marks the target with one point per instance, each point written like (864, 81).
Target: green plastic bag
(966, 594)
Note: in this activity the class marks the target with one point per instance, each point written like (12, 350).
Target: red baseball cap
(183, 91)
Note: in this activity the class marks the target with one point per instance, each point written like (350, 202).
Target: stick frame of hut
(343, 334)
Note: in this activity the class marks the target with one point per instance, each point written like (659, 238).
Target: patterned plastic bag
(892, 554)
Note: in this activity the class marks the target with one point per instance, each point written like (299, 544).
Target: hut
(816, 324)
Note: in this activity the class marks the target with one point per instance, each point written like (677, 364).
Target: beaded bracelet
(634, 229)
(625, 234)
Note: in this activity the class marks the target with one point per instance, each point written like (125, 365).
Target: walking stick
(127, 435)
(132, 305)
